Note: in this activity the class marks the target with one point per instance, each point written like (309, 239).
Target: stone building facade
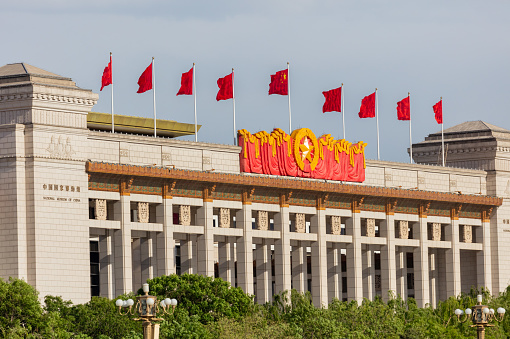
(87, 212)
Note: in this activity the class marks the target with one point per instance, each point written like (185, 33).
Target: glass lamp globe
(458, 312)
(130, 302)
(468, 311)
(174, 302)
(168, 302)
(119, 303)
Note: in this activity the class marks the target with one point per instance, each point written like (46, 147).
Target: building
(88, 212)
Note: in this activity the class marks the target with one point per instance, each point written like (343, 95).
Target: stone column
(205, 242)
(263, 271)
(319, 258)
(453, 286)
(226, 261)
(334, 272)
(136, 264)
(433, 277)
(421, 265)
(122, 240)
(388, 265)
(282, 249)
(165, 243)
(368, 272)
(483, 257)
(299, 267)
(354, 262)
(402, 273)
(187, 254)
(106, 277)
(245, 248)
(147, 250)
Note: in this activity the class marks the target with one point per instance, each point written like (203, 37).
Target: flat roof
(137, 125)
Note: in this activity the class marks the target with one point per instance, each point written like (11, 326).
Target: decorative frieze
(262, 220)
(100, 209)
(300, 223)
(403, 229)
(185, 215)
(370, 227)
(436, 231)
(336, 225)
(467, 234)
(143, 212)
(224, 217)
(281, 185)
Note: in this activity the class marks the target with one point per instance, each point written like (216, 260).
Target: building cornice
(283, 183)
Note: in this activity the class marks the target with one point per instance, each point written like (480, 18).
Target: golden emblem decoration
(305, 148)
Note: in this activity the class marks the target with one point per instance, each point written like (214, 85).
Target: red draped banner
(301, 155)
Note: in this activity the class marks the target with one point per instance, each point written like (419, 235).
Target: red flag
(367, 109)
(226, 88)
(333, 101)
(145, 80)
(438, 110)
(404, 109)
(279, 83)
(186, 83)
(107, 75)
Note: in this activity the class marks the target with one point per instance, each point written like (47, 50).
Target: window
(94, 268)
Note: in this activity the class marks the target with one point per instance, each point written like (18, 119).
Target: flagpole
(377, 123)
(111, 72)
(442, 134)
(195, 98)
(288, 94)
(342, 108)
(410, 138)
(234, 106)
(154, 95)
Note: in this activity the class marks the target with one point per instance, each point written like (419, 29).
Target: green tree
(202, 296)
(19, 306)
(100, 317)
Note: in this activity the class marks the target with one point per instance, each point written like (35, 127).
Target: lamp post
(147, 307)
(480, 315)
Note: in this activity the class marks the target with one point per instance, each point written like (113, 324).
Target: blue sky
(455, 49)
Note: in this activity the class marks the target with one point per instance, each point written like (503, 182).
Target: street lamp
(480, 315)
(147, 307)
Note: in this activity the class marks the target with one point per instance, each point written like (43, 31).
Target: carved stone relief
(60, 149)
(224, 217)
(467, 234)
(370, 227)
(100, 209)
(403, 229)
(262, 220)
(336, 225)
(436, 231)
(143, 212)
(300, 223)
(185, 215)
